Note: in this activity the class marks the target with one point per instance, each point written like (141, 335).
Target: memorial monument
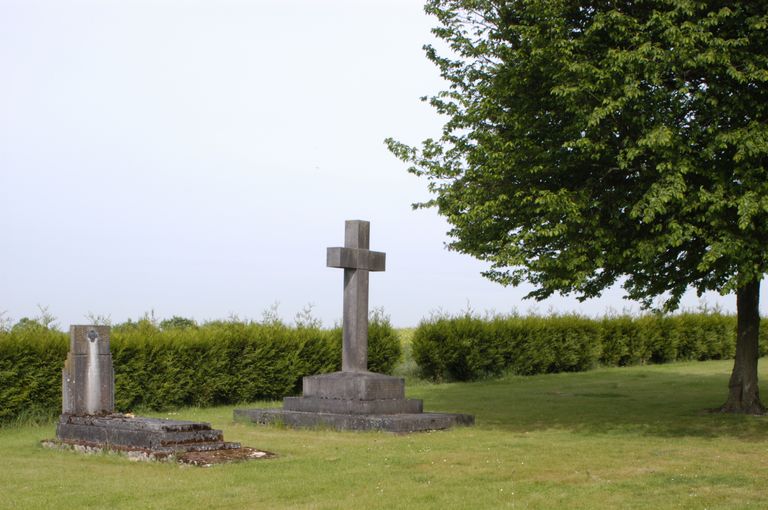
(355, 399)
(89, 421)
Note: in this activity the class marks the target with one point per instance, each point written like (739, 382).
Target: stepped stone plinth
(353, 393)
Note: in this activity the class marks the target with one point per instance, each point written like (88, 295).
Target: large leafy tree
(595, 142)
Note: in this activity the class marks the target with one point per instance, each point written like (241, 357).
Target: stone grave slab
(89, 421)
(159, 436)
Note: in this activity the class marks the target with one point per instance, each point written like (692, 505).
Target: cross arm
(356, 258)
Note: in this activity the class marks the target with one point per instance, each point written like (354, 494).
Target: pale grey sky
(196, 158)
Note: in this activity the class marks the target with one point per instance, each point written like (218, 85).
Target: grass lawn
(612, 438)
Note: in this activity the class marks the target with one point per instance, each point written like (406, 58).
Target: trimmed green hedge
(214, 364)
(467, 347)
(31, 360)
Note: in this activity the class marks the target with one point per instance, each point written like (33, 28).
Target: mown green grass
(634, 437)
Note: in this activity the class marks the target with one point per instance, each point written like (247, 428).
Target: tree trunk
(744, 396)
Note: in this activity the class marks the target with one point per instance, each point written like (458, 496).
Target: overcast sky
(196, 158)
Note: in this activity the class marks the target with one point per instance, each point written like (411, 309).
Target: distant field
(611, 438)
(407, 367)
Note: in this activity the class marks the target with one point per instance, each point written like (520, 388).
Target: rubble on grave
(202, 458)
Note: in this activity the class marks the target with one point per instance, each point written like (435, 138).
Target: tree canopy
(595, 142)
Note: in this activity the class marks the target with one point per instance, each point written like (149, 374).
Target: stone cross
(356, 260)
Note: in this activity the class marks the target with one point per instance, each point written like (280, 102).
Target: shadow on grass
(661, 400)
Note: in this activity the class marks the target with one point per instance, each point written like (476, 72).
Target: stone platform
(152, 435)
(354, 401)
(400, 423)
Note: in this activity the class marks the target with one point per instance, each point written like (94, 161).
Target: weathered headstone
(88, 380)
(355, 399)
(88, 420)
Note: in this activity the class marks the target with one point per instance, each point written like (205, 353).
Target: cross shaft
(357, 261)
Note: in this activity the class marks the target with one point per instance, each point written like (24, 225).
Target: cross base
(354, 401)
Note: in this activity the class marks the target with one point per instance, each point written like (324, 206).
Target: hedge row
(155, 368)
(467, 347)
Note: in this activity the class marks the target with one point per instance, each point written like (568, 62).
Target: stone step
(121, 421)
(399, 423)
(351, 406)
(192, 436)
(354, 386)
(198, 447)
